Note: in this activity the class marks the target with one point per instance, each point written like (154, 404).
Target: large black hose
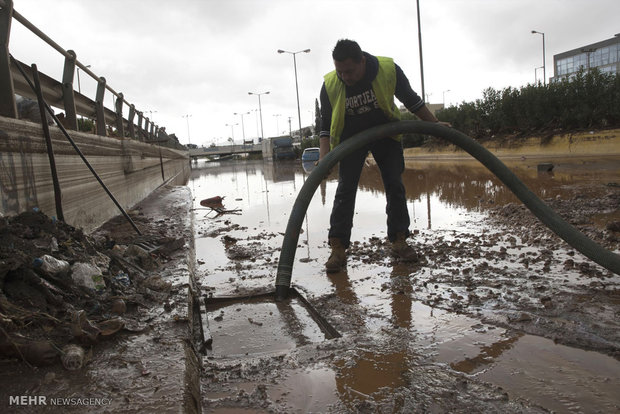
(550, 218)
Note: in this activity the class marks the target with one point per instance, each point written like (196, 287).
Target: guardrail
(224, 150)
(62, 94)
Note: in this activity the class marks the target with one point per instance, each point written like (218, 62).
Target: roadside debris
(215, 204)
(61, 290)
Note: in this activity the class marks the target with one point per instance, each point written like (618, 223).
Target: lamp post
(544, 65)
(242, 125)
(536, 74)
(260, 111)
(277, 124)
(232, 131)
(443, 97)
(296, 87)
(187, 116)
(151, 114)
(420, 48)
(587, 52)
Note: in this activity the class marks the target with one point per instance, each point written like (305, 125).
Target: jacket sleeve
(405, 94)
(326, 113)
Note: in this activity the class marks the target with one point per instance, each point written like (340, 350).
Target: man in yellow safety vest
(358, 95)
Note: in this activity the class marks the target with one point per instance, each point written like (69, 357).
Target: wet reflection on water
(442, 196)
(439, 193)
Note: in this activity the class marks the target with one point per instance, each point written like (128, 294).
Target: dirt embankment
(581, 143)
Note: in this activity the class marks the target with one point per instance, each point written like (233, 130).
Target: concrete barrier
(130, 169)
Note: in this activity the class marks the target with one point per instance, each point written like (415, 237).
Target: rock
(544, 167)
(72, 357)
(119, 307)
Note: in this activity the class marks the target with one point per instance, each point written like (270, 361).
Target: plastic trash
(52, 266)
(87, 275)
(122, 278)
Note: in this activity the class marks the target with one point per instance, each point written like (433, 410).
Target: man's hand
(426, 115)
(323, 147)
(323, 151)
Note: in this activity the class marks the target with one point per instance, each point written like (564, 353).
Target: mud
(499, 315)
(134, 330)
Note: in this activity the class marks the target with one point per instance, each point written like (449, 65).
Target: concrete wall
(131, 170)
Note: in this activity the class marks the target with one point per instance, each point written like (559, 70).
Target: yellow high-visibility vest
(384, 86)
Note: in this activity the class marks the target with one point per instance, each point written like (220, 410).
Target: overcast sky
(202, 57)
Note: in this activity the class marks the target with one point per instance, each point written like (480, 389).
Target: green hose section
(550, 218)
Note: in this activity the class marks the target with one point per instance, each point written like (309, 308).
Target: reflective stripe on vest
(384, 86)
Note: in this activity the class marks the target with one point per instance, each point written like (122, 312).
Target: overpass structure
(224, 150)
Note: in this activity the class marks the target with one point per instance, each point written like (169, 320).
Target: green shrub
(590, 99)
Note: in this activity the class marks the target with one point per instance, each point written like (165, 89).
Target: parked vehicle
(310, 154)
(278, 148)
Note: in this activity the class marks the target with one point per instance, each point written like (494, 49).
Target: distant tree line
(590, 99)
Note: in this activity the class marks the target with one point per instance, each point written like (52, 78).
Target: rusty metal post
(68, 96)
(48, 142)
(8, 107)
(101, 130)
(130, 126)
(120, 129)
(140, 130)
(77, 149)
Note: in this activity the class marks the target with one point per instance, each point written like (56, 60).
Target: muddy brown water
(264, 358)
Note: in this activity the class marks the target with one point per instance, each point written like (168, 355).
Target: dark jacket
(361, 113)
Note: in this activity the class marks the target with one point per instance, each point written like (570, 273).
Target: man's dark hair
(347, 49)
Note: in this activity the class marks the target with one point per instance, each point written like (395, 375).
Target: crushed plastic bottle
(122, 278)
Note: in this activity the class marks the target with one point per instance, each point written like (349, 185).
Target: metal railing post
(119, 116)
(101, 129)
(8, 107)
(68, 96)
(130, 117)
(140, 129)
(48, 142)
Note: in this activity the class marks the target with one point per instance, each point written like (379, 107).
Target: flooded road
(487, 307)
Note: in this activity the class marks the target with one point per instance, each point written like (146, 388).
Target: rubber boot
(402, 250)
(338, 259)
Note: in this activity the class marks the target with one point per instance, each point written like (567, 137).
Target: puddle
(560, 378)
(388, 302)
(255, 326)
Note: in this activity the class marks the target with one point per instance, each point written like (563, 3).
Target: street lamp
(242, 125)
(536, 74)
(187, 116)
(260, 111)
(443, 97)
(420, 48)
(232, 131)
(296, 87)
(544, 65)
(277, 124)
(587, 52)
(151, 114)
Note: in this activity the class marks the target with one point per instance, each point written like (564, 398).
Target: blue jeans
(388, 154)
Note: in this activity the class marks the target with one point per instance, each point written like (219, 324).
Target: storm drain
(239, 326)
